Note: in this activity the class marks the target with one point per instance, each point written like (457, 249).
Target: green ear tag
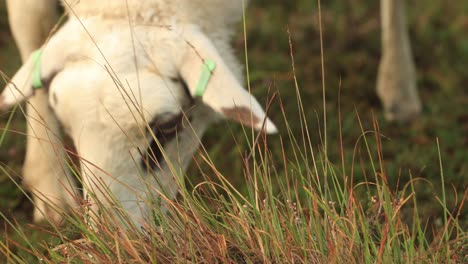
(207, 71)
(36, 74)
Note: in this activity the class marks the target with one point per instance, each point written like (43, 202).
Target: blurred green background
(439, 34)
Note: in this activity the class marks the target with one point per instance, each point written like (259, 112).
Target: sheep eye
(165, 128)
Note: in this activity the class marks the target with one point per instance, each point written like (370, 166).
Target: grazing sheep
(117, 78)
(106, 84)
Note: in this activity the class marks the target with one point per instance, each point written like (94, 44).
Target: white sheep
(114, 87)
(110, 86)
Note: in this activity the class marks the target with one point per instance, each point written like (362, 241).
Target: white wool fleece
(208, 14)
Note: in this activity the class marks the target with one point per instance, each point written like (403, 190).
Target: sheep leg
(396, 81)
(44, 172)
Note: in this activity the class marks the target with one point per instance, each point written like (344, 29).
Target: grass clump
(287, 213)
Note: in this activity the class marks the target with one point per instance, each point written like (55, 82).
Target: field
(431, 152)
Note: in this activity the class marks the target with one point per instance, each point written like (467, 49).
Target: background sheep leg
(396, 81)
(44, 172)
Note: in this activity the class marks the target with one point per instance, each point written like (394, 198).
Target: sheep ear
(20, 87)
(208, 77)
(41, 65)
